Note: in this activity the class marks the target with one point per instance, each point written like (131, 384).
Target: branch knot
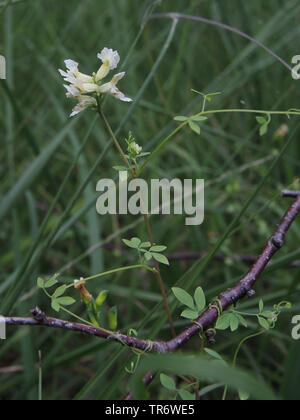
(38, 314)
(277, 242)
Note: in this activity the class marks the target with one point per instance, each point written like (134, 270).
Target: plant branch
(206, 321)
(288, 193)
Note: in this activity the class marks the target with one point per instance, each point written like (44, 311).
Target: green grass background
(42, 233)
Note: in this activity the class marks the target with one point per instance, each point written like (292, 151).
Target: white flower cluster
(133, 148)
(138, 149)
(84, 88)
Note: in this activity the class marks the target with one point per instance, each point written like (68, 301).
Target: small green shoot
(146, 251)
(195, 304)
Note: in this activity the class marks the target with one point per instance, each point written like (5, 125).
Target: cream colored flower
(83, 103)
(74, 76)
(134, 148)
(111, 88)
(138, 149)
(110, 60)
(85, 89)
(72, 91)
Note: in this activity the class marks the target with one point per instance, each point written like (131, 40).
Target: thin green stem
(146, 219)
(237, 353)
(212, 112)
(78, 317)
(246, 314)
(243, 342)
(69, 312)
(251, 111)
(118, 270)
(111, 133)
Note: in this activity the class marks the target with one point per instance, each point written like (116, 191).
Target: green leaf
(120, 168)
(189, 314)
(263, 323)
(167, 382)
(242, 320)
(143, 155)
(101, 298)
(185, 395)
(263, 129)
(145, 245)
(160, 258)
(136, 242)
(66, 301)
(184, 297)
(148, 256)
(113, 318)
(133, 243)
(51, 282)
(128, 243)
(264, 125)
(198, 118)
(223, 322)
(158, 248)
(181, 118)
(200, 299)
(60, 291)
(213, 354)
(261, 120)
(55, 305)
(234, 322)
(261, 305)
(40, 283)
(267, 314)
(195, 127)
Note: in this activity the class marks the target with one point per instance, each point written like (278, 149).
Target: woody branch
(206, 321)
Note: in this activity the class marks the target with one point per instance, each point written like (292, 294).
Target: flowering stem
(109, 129)
(146, 219)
